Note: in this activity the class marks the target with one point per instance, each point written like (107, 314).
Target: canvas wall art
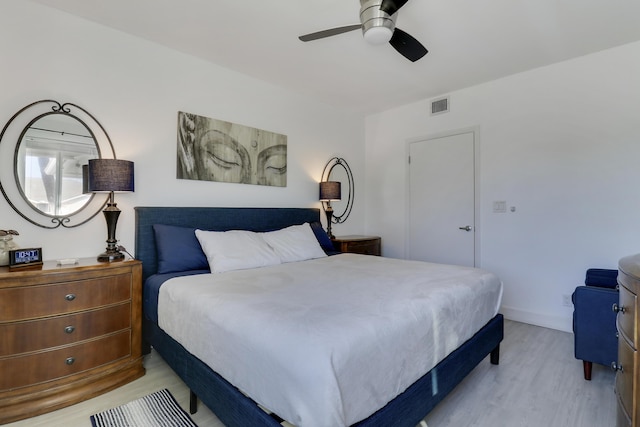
(215, 150)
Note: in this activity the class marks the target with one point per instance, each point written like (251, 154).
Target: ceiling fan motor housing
(377, 25)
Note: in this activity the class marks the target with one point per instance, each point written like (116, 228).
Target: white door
(441, 224)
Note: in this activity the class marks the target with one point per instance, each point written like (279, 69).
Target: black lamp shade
(110, 175)
(330, 190)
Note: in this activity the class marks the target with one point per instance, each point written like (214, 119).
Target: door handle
(465, 228)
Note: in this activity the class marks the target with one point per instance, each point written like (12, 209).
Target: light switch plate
(500, 206)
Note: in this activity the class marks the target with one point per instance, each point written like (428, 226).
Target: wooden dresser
(365, 245)
(67, 334)
(628, 369)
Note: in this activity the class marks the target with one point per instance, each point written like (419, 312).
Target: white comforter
(327, 342)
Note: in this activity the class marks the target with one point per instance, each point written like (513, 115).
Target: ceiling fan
(378, 24)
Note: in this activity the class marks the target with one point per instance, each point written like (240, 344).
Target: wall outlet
(566, 300)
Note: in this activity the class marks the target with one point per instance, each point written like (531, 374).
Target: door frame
(475, 130)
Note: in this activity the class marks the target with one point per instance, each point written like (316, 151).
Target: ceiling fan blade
(407, 46)
(392, 6)
(328, 33)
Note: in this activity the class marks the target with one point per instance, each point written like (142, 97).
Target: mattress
(327, 342)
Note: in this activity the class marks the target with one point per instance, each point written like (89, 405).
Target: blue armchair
(594, 322)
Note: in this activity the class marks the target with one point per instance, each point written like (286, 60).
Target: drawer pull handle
(618, 308)
(69, 329)
(616, 367)
(70, 360)
(70, 297)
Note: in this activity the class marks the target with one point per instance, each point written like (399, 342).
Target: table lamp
(329, 190)
(110, 175)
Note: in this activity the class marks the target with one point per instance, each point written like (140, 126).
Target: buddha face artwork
(215, 150)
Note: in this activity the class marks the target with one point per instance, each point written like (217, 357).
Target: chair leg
(587, 366)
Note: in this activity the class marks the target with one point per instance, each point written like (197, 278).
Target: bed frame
(232, 407)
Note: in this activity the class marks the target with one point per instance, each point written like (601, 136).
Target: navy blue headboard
(217, 219)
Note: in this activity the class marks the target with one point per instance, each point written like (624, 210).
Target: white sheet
(327, 342)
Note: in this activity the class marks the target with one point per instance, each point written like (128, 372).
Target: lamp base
(329, 213)
(111, 256)
(111, 214)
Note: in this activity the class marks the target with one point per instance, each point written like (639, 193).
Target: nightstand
(68, 333)
(365, 245)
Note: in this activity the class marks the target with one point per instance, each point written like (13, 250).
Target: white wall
(135, 89)
(561, 144)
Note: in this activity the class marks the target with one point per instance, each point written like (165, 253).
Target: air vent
(440, 106)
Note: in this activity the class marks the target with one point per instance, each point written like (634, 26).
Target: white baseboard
(560, 323)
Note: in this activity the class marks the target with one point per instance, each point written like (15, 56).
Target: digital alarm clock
(25, 257)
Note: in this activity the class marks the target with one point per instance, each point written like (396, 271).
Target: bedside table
(365, 245)
(68, 333)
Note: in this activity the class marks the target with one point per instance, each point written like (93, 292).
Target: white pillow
(295, 243)
(235, 250)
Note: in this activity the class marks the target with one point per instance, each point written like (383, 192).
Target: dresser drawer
(364, 248)
(629, 273)
(626, 320)
(358, 244)
(23, 337)
(21, 371)
(622, 418)
(23, 303)
(624, 377)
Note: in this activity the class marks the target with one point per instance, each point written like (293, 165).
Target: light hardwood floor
(538, 383)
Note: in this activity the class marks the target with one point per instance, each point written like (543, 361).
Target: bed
(236, 408)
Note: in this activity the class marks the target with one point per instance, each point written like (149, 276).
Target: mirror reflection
(48, 163)
(340, 174)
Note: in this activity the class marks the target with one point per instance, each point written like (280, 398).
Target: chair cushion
(602, 278)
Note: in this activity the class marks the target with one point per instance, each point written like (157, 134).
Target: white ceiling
(469, 41)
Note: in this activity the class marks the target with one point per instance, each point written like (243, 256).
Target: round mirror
(337, 169)
(43, 149)
(48, 164)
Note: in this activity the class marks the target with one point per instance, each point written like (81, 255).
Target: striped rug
(158, 409)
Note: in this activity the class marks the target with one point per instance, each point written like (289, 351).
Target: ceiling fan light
(378, 35)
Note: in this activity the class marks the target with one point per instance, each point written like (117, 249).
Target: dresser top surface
(53, 266)
(354, 238)
(630, 265)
